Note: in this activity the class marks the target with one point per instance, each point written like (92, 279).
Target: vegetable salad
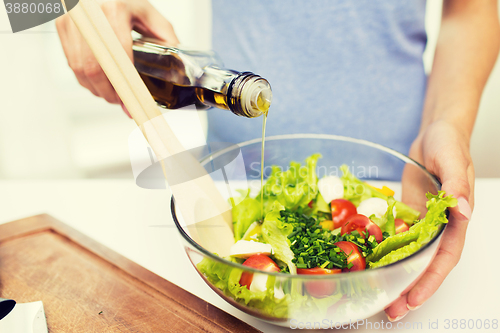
(310, 226)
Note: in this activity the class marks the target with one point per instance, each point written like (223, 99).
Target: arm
(466, 51)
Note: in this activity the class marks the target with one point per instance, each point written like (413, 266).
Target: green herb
(365, 245)
(311, 244)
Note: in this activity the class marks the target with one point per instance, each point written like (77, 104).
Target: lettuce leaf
(394, 242)
(386, 222)
(227, 279)
(293, 188)
(244, 214)
(311, 178)
(436, 208)
(356, 191)
(275, 232)
(402, 245)
(406, 213)
(321, 205)
(390, 227)
(396, 255)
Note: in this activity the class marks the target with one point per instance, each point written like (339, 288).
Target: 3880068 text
(470, 324)
(33, 8)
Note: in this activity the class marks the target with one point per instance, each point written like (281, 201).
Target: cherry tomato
(327, 224)
(360, 223)
(400, 225)
(257, 261)
(341, 210)
(354, 256)
(321, 288)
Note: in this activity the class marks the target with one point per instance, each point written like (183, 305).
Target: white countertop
(137, 224)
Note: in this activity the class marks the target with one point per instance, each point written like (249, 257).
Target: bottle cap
(256, 96)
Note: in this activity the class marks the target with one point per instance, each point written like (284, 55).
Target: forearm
(466, 51)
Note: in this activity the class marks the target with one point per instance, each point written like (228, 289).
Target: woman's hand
(467, 48)
(124, 16)
(444, 150)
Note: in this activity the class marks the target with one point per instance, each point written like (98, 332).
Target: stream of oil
(264, 120)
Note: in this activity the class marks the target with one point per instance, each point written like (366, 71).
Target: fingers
(88, 71)
(457, 176)
(119, 16)
(397, 310)
(71, 44)
(446, 259)
(81, 59)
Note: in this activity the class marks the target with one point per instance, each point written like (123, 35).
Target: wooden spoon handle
(198, 199)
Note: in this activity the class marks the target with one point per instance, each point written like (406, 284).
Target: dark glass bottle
(177, 78)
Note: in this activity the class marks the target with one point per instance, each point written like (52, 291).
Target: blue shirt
(350, 68)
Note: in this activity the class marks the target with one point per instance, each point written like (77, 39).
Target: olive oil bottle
(178, 78)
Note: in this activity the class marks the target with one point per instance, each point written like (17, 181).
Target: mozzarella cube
(373, 206)
(245, 249)
(259, 282)
(331, 188)
(278, 292)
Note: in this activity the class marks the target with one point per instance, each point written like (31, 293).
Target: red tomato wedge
(354, 256)
(400, 225)
(319, 289)
(360, 223)
(258, 261)
(341, 210)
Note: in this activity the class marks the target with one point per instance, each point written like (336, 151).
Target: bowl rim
(308, 136)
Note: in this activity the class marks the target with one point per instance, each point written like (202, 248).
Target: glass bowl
(347, 296)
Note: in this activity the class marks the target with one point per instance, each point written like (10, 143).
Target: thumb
(456, 171)
(149, 22)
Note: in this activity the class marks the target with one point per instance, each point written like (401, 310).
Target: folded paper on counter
(25, 318)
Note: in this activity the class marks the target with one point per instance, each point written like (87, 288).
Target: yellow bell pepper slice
(384, 190)
(327, 224)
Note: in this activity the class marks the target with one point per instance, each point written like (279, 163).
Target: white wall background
(50, 127)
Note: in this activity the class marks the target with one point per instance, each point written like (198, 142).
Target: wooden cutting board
(86, 287)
